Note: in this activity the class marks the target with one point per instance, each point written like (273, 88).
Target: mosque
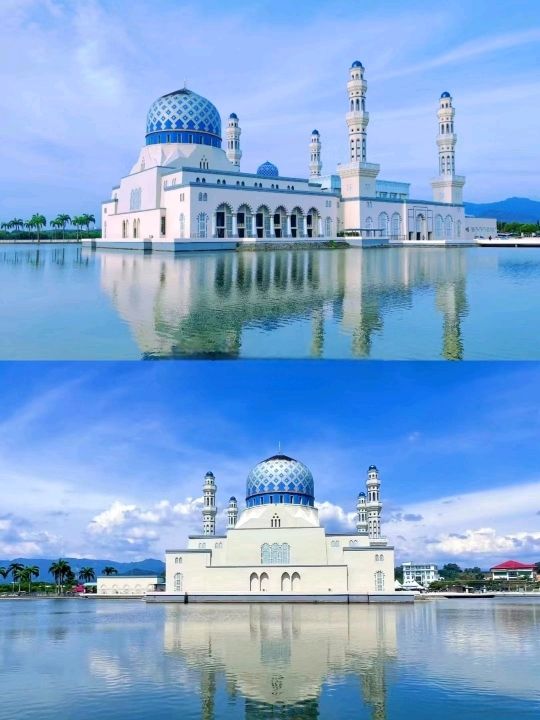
(276, 549)
(187, 192)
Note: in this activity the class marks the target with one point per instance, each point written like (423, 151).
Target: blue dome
(357, 63)
(183, 117)
(361, 494)
(315, 132)
(445, 94)
(280, 479)
(233, 116)
(268, 169)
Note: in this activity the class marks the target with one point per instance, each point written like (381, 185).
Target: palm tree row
(20, 573)
(38, 222)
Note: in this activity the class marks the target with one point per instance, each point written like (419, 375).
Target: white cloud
(486, 542)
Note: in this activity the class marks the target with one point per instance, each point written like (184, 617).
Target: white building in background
(186, 191)
(127, 585)
(419, 574)
(276, 548)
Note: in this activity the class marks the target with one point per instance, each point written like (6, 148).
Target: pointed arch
(383, 224)
(280, 221)
(312, 222)
(224, 214)
(244, 221)
(439, 227)
(395, 229)
(178, 582)
(285, 582)
(253, 582)
(448, 227)
(263, 586)
(262, 221)
(295, 582)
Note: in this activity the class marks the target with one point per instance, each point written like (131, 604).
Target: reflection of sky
(124, 659)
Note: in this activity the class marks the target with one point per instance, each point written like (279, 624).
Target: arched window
(266, 556)
(285, 582)
(328, 227)
(275, 521)
(202, 225)
(253, 582)
(178, 582)
(369, 226)
(379, 581)
(134, 228)
(178, 560)
(448, 227)
(182, 225)
(396, 225)
(263, 586)
(383, 224)
(439, 227)
(295, 582)
(198, 180)
(200, 197)
(275, 554)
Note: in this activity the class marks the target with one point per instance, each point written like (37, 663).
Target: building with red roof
(513, 570)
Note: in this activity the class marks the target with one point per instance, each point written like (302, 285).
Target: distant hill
(148, 566)
(514, 209)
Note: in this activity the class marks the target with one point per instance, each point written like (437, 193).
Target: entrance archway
(224, 221)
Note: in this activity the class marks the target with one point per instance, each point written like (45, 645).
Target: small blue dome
(315, 132)
(445, 94)
(268, 169)
(372, 467)
(357, 63)
(280, 479)
(361, 494)
(233, 116)
(232, 499)
(183, 117)
(209, 474)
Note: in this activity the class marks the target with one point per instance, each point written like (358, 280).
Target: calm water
(446, 659)
(402, 303)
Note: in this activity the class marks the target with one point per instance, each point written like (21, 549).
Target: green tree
(61, 221)
(60, 570)
(78, 222)
(4, 572)
(17, 224)
(27, 573)
(398, 573)
(37, 222)
(15, 569)
(450, 571)
(110, 570)
(87, 220)
(87, 574)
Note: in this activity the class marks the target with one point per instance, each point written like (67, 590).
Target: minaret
(232, 513)
(373, 505)
(448, 187)
(358, 177)
(361, 524)
(357, 117)
(209, 508)
(315, 164)
(233, 140)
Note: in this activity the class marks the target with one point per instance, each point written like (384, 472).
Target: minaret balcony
(357, 116)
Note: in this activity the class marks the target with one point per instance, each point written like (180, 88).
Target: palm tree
(28, 573)
(17, 223)
(37, 221)
(87, 574)
(4, 572)
(86, 221)
(60, 222)
(15, 569)
(60, 570)
(110, 570)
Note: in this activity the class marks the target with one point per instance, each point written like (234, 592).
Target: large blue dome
(268, 169)
(280, 479)
(185, 117)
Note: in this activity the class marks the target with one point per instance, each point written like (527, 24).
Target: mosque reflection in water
(278, 657)
(336, 302)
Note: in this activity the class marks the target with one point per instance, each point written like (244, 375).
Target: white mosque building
(276, 549)
(186, 192)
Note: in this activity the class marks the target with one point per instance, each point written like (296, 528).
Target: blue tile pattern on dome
(268, 169)
(183, 110)
(280, 478)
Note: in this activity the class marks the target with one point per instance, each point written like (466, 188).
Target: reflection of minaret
(317, 332)
(452, 301)
(373, 677)
(208, 694)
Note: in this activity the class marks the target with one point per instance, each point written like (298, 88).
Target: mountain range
(522, 210)
(148, 566)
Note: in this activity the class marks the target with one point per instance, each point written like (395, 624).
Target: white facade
(184, 187)
(421, 574)
(276, 546)
(127, 585)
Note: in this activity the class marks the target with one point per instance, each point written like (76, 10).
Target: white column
(214, 224)
(272, 226)
(304, 226)
(289, 226)
(321, 232)
(234, 226)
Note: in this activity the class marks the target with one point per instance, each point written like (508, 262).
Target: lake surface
(448, 659)
(65, 302)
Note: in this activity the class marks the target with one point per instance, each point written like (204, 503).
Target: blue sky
(77, 79)
(107, 460)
